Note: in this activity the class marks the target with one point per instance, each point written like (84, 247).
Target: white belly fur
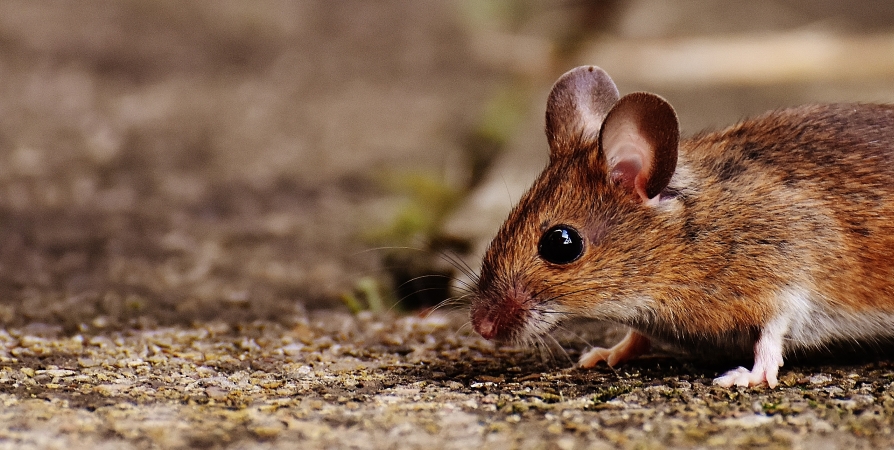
(815, 324)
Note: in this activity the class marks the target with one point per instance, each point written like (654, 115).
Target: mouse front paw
(593, 356)
(767, 360)
(748, 378)
(632, 346)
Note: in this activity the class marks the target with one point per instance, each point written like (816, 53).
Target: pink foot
(633, 345)
(767, 361)
(746, 378)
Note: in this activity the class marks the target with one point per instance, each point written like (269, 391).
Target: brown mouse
(773, 235)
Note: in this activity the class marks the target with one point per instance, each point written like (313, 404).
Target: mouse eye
(561, 244)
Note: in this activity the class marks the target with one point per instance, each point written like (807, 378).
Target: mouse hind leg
(632, 346)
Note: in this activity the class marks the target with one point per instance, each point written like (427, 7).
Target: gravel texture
(334, 380)
(194, 195)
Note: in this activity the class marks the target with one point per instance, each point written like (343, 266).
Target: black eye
(561, 244)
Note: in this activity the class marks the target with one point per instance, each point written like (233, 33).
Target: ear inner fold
(638, 141)
(577, 106)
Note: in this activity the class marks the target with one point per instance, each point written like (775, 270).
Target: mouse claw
(748, 378)
(632, 346)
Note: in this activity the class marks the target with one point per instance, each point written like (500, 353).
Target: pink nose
(486, 327)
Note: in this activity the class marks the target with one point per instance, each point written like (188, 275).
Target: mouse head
(565, 245)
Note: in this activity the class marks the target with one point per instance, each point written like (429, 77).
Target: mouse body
(775, 234)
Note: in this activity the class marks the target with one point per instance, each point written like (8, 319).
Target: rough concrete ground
(334, 380)
(187, 191)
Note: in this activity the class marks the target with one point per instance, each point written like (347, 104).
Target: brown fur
(797, 197)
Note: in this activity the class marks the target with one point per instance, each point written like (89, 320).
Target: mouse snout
(498, 320)
(493, 326)
(486, 327)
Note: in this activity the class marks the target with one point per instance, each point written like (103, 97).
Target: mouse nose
(499, 319)
(486, 327)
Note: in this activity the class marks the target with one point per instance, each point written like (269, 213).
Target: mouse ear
(577, 105)
(639, 143)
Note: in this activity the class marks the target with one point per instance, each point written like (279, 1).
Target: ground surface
(334, 380)
(189, 193)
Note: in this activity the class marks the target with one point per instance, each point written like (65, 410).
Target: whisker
(456, 308)
(557, 313)
(453, 302)
(530, 342)
(451, 258)
(465, 296)
(421, 277)
(463, 289)
(537, 293)
(556, 297)
(508, 194)
(552, 286)
(470, 272)
(386, 247)
(458, 330)
(545, 346)
(458, 265)
(575, 335)
(411, 294)
(444, 304)
(445, 310)
(564, 352)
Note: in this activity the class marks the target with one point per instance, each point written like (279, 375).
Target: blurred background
(166, 162)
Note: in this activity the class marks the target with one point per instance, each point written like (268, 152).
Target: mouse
(772, 236)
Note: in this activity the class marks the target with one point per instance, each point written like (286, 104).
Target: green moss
(367, 295)
(427, 201)
(610, 392)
